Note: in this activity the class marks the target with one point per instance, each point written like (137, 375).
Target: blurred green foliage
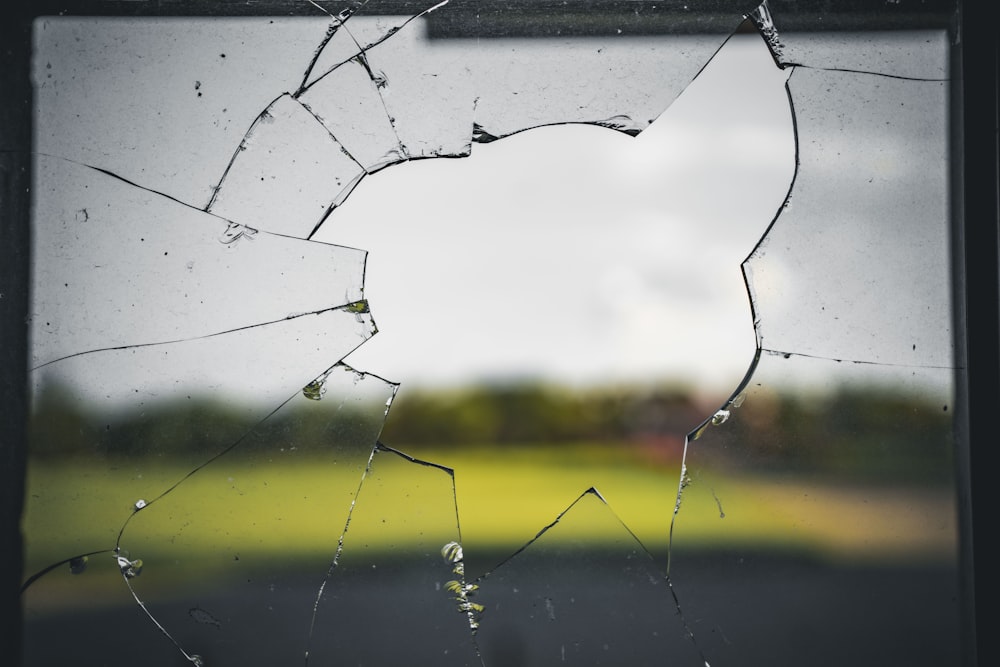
(526, 413)
(873, 434)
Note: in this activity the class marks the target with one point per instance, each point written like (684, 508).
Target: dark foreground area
(742, 610)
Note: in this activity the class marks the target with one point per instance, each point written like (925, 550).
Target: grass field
(234, 508)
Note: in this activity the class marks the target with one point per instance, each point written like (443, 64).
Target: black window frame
(976, 269)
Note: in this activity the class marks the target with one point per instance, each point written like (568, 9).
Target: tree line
(885, 434)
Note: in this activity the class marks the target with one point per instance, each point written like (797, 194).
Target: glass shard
(390, 573)
(549, 603)
(118, 266)
(522, 83)
(888, 39)
(287, 173)
(428, 94)
(348, 103)
(208, 481)
(123, 93)
(355, 30)
(857, 265)
(422, 92)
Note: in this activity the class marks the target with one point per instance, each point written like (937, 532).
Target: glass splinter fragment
(358, 307)
(314, 390)
(452, 553)
(720, 417)
(129, 568)
(235, 231)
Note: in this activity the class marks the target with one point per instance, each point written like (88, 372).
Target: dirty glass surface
(217, 477)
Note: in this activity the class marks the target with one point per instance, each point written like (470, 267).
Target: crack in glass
(180, 447)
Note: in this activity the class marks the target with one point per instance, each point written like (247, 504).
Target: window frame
(976, 248)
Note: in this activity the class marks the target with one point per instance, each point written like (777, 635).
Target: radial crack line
(239, 149)
(785, 200)
(666, 576)
(591, 491)
(339, 21)
(346, 192)
(243, 145)
(363, 49)
(379, 83)
(352, 307)
(108, 172)
(865, 362)
(382, 447)
(41, 573)
(193, 658)
(764, 21)
(363, 374)
(681, 485)
(872, 73)
(338, 552)
(332, 136)
(140, 506)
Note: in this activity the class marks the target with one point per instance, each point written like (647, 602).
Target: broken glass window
(211, 472)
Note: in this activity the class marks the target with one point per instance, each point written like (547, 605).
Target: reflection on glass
(211, 481)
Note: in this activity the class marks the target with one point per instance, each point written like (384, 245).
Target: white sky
(577, 254)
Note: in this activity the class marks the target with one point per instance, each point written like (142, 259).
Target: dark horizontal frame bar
(546, 18)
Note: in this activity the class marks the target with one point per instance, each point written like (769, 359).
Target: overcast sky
(576, 254)
(571, 254)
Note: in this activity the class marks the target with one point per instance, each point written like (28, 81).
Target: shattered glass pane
(215, 478)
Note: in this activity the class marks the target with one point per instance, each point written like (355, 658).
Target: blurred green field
(299, 506)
